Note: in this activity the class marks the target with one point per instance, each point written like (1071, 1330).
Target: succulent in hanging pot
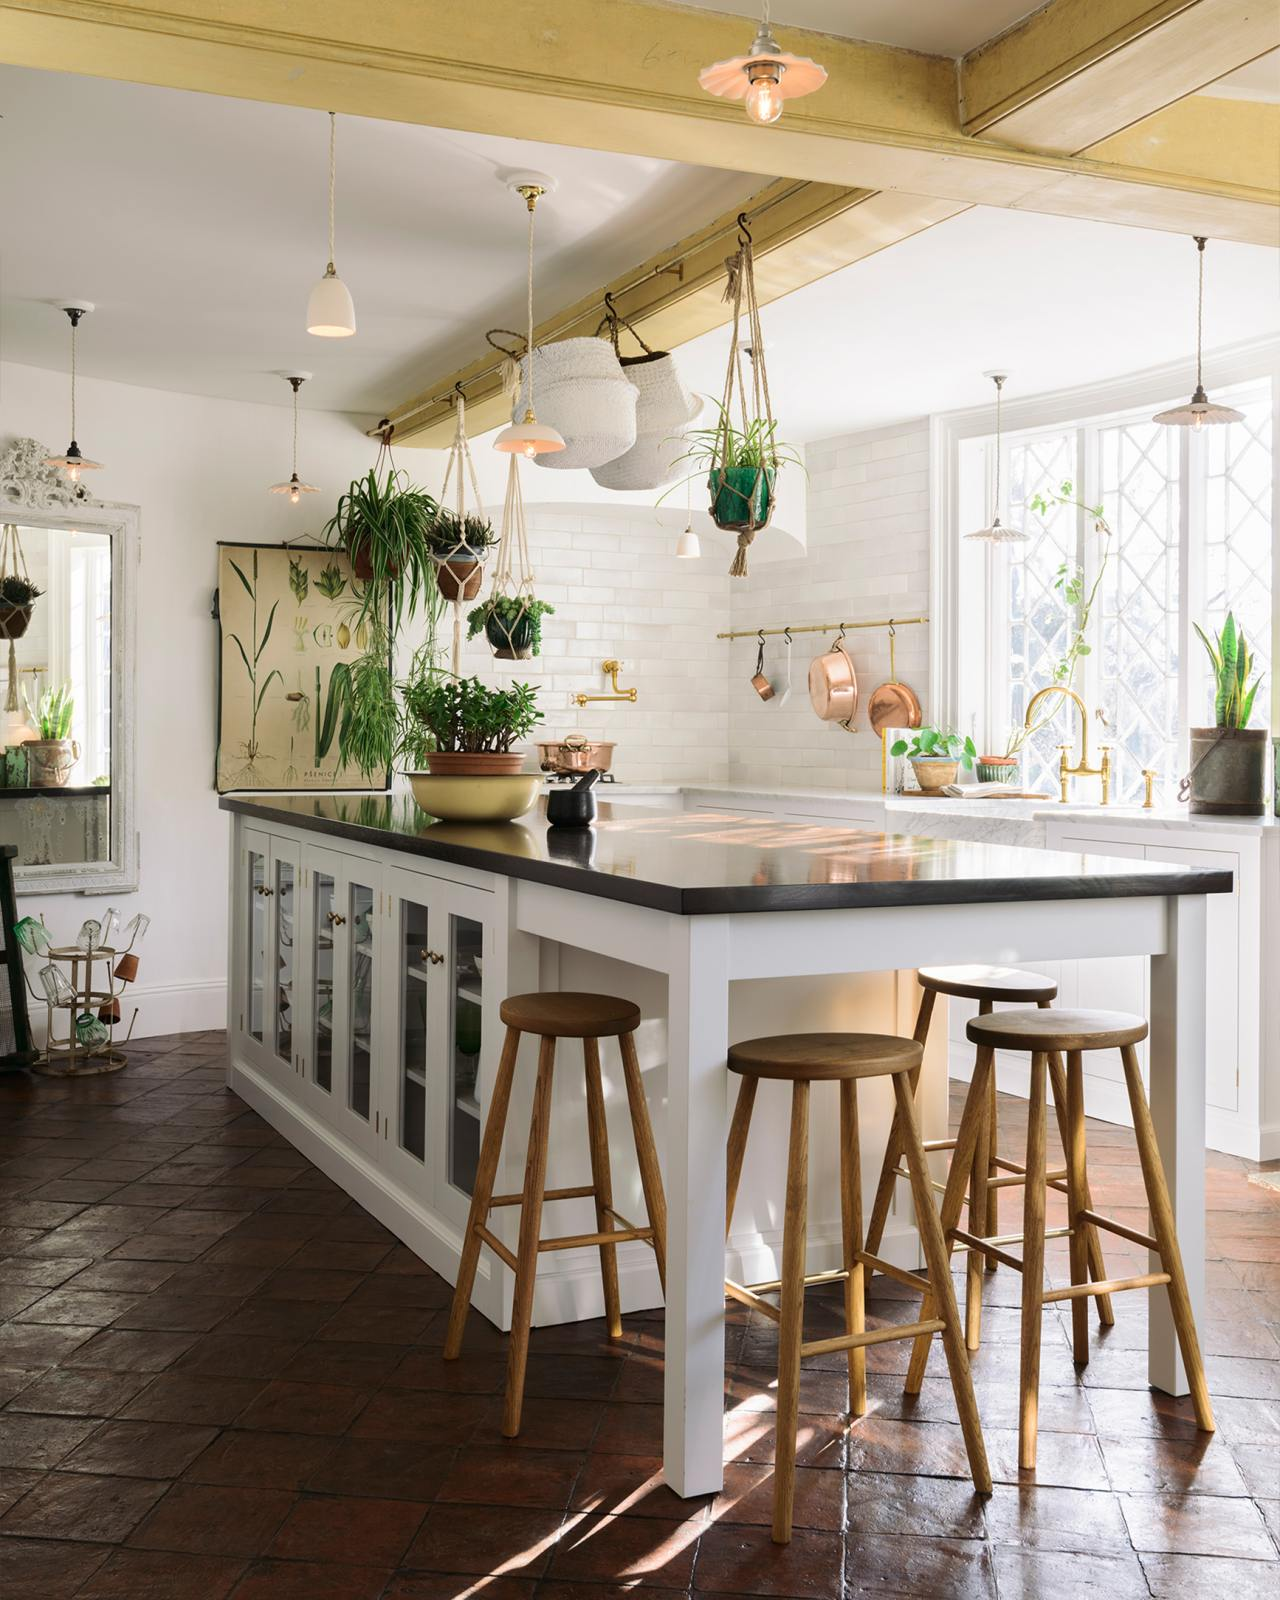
(459, 547)
(17, 598)
(512, 624)
(1228, 761)
(382, 522)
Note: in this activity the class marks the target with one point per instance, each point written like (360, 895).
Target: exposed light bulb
(73, 473)
(294, 496)
(764, 99)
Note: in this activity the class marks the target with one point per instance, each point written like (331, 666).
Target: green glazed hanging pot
(741, 497)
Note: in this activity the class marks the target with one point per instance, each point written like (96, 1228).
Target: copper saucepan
(833, 684)
(575, 753)
(893, 704)
(759, 682)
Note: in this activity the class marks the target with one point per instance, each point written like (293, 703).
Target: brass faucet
(1082, 769)
(613, 668)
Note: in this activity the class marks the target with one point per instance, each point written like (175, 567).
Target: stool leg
(855, 1320)
(1077, 1187)
(1032, 1268)
(791, 1312)
(893, 1150)
(991, 1223)
(1167, 1240)
(602, 1182)
(980, 1198)
(535, 1180)
(937, 1258)
(486, 1173)
(646, 1154)
(739, 1128)
(1093, 1244)
(953, 1201)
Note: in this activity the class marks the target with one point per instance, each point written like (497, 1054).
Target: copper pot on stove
(575, 753)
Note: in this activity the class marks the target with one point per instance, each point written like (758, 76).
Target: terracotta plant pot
(363, 568)
(470, 764)
(1228, 772)
(14, 621)
(997, 769)
(49, 762)
(932, 774)
(127, 968)
(459, 579)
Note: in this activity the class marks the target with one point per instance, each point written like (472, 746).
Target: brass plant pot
(1228, 772)
(49, 762)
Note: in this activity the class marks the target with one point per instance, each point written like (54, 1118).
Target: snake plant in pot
(1228, 761)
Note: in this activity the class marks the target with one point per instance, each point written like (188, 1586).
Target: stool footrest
(812, 1279)
(938, 1188)
(1131, 1234)
(1073, 1291)
(633, 1227)
(496, 1245)
(900, 1274)
(748, 1297)
(580, 1193)
(985, 1247)
(930, 1145)
(859, 1341)
(1055, 1178)
(579, 1241)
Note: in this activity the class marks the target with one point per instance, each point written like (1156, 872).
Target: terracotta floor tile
(34, 1344)
(943, 1508)
(305, 1580)
(118, 1351)
(633, 1486)
(432, 1419)
(361, 1366)
(194, 1398)
(203, 1519)
(76, 1505)
(39, 1441)
(46, 1274)
(1202, 1464)
(14, 1483)
(958, 1569)
(747, 1497)
(504, 1540)
(230, 1355)
(325, 1408)
(1193, 1524)
(39, 1569)
(1043, 1575)
(278, 1319)
(1177, 1577)
(333, 1529)
(176, 1313)
(508, 1476)
(641, 1552)
(444, 1586)
(390, 1468)
(157, 1575)
(131, 1277)
(138, 1450)
(71, 1392)
(259, 1460)
(745, 1561)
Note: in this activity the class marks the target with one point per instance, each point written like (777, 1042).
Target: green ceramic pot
(741, 496)
(998, 769)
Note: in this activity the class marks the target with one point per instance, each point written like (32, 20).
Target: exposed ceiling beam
(1073, 74)
(800, 232)
(887, 119)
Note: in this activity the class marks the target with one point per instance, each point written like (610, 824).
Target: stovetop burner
(572, 777)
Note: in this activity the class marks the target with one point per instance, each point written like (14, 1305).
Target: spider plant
(382, 522)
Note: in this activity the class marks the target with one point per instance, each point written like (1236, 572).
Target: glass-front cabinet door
(267, 901)
(284, 966)
(254, 915)
(466, 1036)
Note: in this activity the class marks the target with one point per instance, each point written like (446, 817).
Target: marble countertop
(705, 861)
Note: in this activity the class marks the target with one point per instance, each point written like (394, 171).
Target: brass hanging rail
(824, 627)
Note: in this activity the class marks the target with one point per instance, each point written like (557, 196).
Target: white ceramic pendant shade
(765, 77)
(527, 436)
(73, 462)
(293, 485)
(1199, 411)
(996, 532)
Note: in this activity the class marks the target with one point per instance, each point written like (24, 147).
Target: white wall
(868, 557)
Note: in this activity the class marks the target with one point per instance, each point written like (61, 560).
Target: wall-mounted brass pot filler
(612, 668)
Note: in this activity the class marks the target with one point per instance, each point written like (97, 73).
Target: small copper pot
(127, 968)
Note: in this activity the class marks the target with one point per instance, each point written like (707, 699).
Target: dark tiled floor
(219, 1377)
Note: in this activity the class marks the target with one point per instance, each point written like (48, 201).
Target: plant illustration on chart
(299, 580)
(251, 657)
(330, 582)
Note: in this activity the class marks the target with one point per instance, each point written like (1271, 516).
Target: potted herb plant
(465, 730)
(459, 547)
(1228, 761)
(17, 597)
(512, 624)
(936, 756)
(52, 753)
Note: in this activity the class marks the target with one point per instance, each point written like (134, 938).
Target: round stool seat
(823, 1056)
(568, 1014)
(1057, 1030)
(989, 983)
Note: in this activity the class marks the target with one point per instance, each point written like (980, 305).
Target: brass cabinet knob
(433, 956)
(336, 920)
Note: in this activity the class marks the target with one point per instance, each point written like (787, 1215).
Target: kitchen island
(370, 948)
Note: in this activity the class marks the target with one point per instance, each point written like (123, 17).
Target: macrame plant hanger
(512, 575)
(13, 564)
(744, 504)
(459, 467)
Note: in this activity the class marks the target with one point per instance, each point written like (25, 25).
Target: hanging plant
(459, 547)
(512, 624)
(17, 599)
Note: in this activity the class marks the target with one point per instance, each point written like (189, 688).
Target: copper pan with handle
(833, 685)
(893, 704)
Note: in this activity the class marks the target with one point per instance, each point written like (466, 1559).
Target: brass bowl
(475, 799)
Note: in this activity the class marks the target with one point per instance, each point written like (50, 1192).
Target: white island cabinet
(371, 948)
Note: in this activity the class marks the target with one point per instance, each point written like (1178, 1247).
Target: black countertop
(705, 862)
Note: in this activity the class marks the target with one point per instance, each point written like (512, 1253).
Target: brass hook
(840, 635)
(744, 231)
(760, 635)
(786, 634)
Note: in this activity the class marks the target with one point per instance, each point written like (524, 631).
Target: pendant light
(765, 77)
(529, 437)
(1199, 411)
(73, 463)
(688, 545)
(330, 312)
(997, 533)
(294, 486)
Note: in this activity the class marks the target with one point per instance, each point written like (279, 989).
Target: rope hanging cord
(459, 467)
(741, 288)
(13, 563)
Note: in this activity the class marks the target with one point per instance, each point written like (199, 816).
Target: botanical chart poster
(289, 636)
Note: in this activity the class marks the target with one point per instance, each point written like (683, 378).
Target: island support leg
(1177, 1091)
(697, 1116)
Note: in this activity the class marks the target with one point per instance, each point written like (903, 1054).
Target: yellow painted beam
(622, 75)
(1077, 71)
(800, 233)
(1233, 140)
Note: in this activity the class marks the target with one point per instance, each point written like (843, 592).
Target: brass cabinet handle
(336, 920)
(432, 956)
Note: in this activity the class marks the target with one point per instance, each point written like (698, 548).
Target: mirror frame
(40, 496)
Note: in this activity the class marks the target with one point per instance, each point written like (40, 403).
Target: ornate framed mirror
(68, 680)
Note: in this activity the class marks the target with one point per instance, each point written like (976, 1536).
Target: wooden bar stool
(803, 1059)
(991, 1171)
(561, 1015)
(1043, 1033)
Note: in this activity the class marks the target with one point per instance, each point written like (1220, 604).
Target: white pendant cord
(331, 270)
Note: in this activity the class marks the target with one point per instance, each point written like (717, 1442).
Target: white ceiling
(1257, 80)
(1053, 301)
(938, 27)
(197, 225)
